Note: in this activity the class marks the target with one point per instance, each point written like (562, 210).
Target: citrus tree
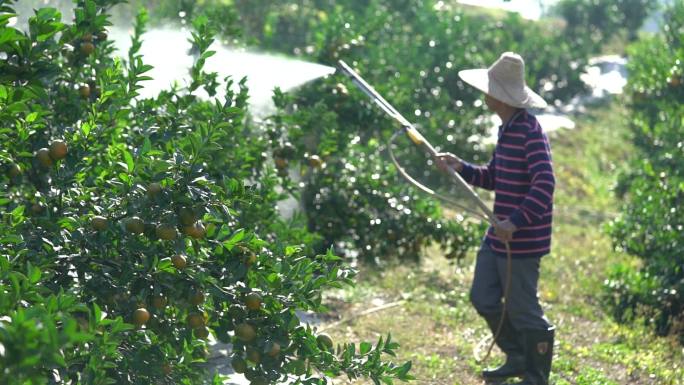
(135, 229)
(651, 224)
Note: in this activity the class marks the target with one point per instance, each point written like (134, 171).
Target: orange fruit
(13, 170)
(134, 225)
(239, 365)
(58, 149)
(324, 341)
(37, 208)
(245, 332)
(186, 215)
(153, 189)
(84, 91)
(253, 355)
(315, 161)
(179, 261)
(201, 333)
(273, 349)
(87, 48)
(197, 298)
(281, 163)
(140, 316)
(195, 320)
(253, 301)
(196, 230)
(102, 35)
(43, 156)
(98, 223)
(166, 232)
(166, 369)
(159, 302)
(250, 259)
(87, 37)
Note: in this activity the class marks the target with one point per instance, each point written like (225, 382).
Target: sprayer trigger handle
(415, 136)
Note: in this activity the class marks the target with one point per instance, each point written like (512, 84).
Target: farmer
(521, 174)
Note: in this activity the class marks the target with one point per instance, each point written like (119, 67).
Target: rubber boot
(538, 356)
(509, 343)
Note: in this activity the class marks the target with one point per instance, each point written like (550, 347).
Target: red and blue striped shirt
(521, 175)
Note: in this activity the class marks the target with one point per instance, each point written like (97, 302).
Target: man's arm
(540, 195)
(479, 176)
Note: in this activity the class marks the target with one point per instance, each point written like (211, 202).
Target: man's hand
(445, 160)
(505, 230)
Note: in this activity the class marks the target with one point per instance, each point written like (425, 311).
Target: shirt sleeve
(480, 176)
(540, 196)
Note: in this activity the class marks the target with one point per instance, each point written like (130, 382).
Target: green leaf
(129, 160)
(59, 359)
(147, 146)
(365, 347)
(18, 214)
(124, 178)
(15, 239)
(97, 313)
(234, 239)
(30, 118)
(68, 223)
(10, 34)
(34, 274)
(291, 250)
(166, 265)
(85, 128)
(272, 277)
(404, 369)
(207, 55)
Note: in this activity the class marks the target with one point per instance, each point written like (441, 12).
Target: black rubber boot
(509, 343)
(538, 356)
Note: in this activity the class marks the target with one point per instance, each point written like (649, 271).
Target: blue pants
(486, 294)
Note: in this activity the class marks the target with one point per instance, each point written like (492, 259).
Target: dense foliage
(132, 230)
(595, 23)
(652, 225)
(411, 51)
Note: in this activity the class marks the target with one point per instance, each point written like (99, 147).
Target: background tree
(650, 226)
(598, 22)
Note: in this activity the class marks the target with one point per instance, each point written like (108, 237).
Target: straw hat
(505, 81)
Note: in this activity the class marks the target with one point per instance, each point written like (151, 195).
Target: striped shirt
(521, 175)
